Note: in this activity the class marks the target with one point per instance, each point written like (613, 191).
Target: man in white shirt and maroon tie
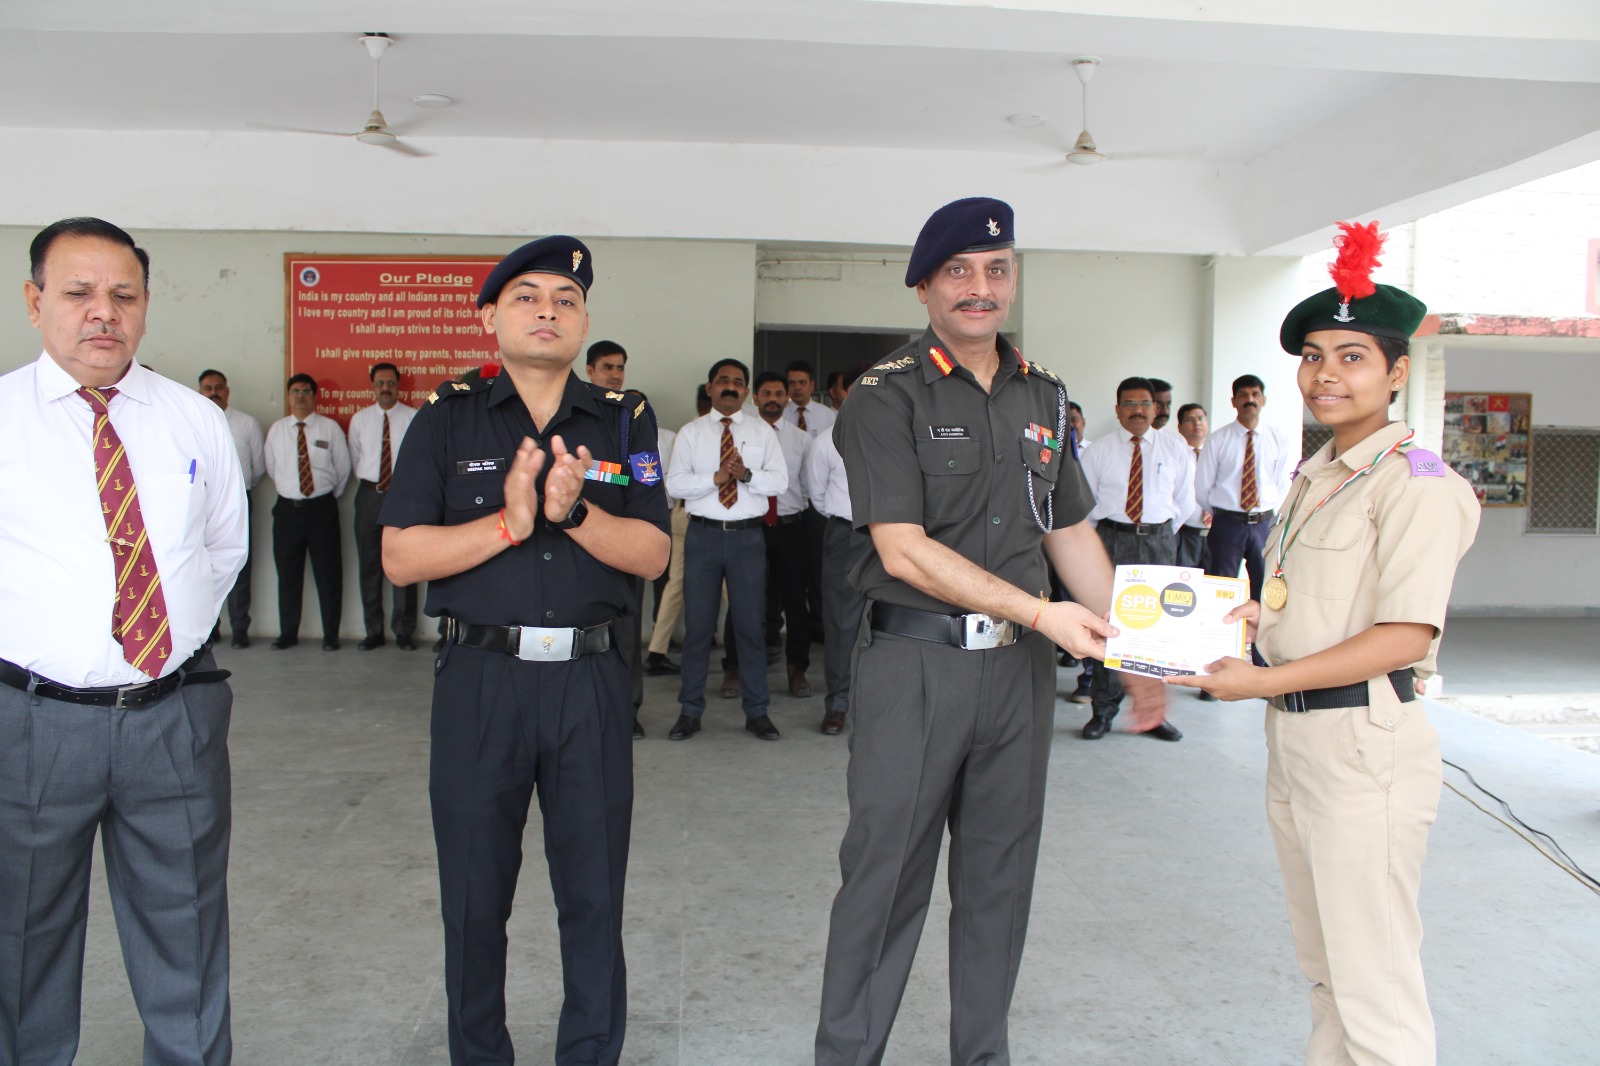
(122, 527)
(1243, 473)
(787, 561)
(375, 435)
(1143, 485)
(724, 466)
(250, 442)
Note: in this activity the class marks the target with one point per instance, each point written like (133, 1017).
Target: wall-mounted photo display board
(1487, 441)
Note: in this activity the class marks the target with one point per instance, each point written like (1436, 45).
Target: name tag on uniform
(480, 466)
(948, 433)
(321, 443)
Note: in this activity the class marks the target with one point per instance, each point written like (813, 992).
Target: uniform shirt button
(1391, 723)
(549, 614)
(547, 557)
(995, 520)
(999, 458)
(479, 499)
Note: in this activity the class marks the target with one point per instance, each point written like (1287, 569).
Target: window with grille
(1564, 481)
(1313, 435)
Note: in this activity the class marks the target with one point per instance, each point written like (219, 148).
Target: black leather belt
(315, 501)
(790, 519)
(1249, 518)
(531, 643)
(1138, 529)
(1356, 695)
(373, 485)
(123, 697)
(971, 632)
(743, 523)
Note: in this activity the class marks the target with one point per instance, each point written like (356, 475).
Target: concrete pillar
(1247, 299)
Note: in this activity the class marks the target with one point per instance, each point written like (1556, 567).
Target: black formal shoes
(284, 642)
(241, 640)
(329, 644)
(1165, 731)
(762, 728)
(368, 643)
(684, 728)
(405, 643)
(1097, 726)
(658, 665)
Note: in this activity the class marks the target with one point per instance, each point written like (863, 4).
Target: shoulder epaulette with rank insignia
(905, 362)
(477, 379)
(645, 466)
(1048, 375)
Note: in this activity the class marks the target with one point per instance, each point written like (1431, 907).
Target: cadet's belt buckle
(545, 645)
(980, 632)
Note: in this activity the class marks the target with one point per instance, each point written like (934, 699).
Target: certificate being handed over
(1171, 620)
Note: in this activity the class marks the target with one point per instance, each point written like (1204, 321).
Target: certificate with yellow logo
(1170, 619)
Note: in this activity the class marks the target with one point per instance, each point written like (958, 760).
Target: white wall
(217, 301)
(1249, 299)
(1506, 568)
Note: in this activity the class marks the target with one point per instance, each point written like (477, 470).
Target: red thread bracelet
(1035, 623)
(505, 534)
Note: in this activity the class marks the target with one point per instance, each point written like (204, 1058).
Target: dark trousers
(788, 575)
(710, 557)
(842, 604)
(629, 632)
(942, 738)
(312, 528)
(154, 783)
(1194, 547)
(1125, 549)
(239, 596)
(1233, 542)
(369, 560)
(501, 729)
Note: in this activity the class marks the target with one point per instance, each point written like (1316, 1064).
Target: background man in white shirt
(1143, 485)
(250, 442)
(787, 561)
(375, 435)
(1242, 506)
(669, 606)
(122, 527)
(309, 462)
(842, 548)
(816, 419)
(724, 466)
(1194, 547)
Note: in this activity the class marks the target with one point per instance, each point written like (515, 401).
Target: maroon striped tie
(728, 491)
(139, 619)
(385, 458)
(1135, 504)
(1249, 494)
(308, 485)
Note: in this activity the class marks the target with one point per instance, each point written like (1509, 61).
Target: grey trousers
(941, 737)
(154, 783)
(842, 604)
(369, 561)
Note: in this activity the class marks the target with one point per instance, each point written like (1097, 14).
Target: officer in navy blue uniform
(527, 497)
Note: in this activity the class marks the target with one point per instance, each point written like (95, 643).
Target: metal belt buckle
(545, 645)
(122, 694)
(980, 632)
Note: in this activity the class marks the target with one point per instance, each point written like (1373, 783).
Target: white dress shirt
(796, 445)
(330, 456)
(819, 419)
(366, 438)
(664, 439)
(825, 479)
(58, 581)
(1219, 476)
(697, 455)
(250, 443)
(1168, 493)
(1197, 517)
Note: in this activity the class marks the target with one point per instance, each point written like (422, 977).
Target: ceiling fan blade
(297, 129)
(407, 149)
(1044, 168)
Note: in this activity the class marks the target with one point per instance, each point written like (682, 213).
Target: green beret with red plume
(1355, 302)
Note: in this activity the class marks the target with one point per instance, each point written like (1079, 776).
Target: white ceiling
(829, 120)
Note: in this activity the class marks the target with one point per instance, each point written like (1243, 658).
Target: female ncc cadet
(1361, 562)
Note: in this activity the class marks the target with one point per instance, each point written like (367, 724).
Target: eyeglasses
(1138, 405)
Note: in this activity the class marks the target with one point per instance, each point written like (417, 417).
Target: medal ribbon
(1287, 541)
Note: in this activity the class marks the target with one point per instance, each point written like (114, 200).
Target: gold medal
(1275, 593)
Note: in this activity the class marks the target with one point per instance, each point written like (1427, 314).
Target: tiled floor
(1158, 931)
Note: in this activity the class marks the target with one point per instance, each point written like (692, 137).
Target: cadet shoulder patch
(1424, 463)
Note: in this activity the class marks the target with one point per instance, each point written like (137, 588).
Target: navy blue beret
(559, 254)
(975, 224)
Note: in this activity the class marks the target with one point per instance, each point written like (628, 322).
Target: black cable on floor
(1560, 859)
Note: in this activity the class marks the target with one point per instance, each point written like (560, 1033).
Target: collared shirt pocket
(1325, 560)
(476, 492)
(947, 466)
(1044, 465)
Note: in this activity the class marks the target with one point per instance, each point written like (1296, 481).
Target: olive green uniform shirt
(924, 444)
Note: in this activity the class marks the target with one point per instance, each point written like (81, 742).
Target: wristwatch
(748, 474)
(575, 517)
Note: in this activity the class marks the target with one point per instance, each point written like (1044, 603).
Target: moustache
(103, 331)
(1252, 404)
(730, 394)
(975, 304)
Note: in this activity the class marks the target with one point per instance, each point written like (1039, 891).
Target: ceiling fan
(376, 130)
(1084, 151)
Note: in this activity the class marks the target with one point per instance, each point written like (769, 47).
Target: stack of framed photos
(1488, 440)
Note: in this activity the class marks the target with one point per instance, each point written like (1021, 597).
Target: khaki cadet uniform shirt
(1383, 550)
